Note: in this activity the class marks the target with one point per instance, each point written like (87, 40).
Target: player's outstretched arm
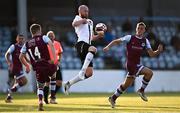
(7, 57)
(22, 58)
(79, 22)
(112, 43)
(28, 61)
(155, 53)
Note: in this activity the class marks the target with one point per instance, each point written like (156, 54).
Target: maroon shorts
(17, 72)
(134, 69)
(44, 70)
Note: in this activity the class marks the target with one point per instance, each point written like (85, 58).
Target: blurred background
(121, 16)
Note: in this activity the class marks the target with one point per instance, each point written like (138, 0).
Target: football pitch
(95, 103)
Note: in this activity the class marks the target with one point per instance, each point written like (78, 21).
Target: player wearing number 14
(37, 49)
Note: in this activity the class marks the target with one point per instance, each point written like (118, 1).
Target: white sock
(87, 61)
(119, 91)
(144, 84)
(76, 79)
(53, 85)
(40, 92)
(81, 74)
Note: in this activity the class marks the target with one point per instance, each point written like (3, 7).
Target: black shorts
(59, 74)
(82, 50)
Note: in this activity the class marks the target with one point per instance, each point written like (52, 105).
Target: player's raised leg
(145, 81)
(128, 82)
(86, 70)
(20, 81)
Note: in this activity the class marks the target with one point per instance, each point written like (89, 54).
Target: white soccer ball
(101, 27)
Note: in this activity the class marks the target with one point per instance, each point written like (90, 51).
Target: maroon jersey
(37, 49)
(39, 55)
(17, 66)
(135, 49)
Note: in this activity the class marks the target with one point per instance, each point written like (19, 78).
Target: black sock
(57, 88)
(46, 92)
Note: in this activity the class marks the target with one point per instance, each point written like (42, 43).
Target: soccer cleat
(8, 99)
(112, 102)
(142, 95)
(40, 107)
(53, 101)
(66, 88)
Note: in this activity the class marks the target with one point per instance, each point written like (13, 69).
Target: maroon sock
(53, 94)
(114, 97)
(13, 89)
(40, 96)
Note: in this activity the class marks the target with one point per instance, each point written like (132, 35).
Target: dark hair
(20, 35)
(34, 28)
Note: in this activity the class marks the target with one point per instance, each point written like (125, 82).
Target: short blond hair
(141, 23)
(34, 28)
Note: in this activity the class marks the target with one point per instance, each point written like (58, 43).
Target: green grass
(95, 103)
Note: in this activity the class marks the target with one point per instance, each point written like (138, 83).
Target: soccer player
(84, 30)
(15, 66)
(135, 45)
(58, 50)
(38, 52)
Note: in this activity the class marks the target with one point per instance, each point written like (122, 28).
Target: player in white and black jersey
(84, 30)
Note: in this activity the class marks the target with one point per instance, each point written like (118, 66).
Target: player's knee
(150, 73)
(92, 49)
(22, 81)
(58, 82)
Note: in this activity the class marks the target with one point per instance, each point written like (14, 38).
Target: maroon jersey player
(135, 45)
(15, 66)
(44, 68)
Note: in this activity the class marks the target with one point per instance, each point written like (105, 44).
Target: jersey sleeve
(148, 45)
(11, 49)
(23, 49)
(126, 38)
(77, 18)
(46, 39)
